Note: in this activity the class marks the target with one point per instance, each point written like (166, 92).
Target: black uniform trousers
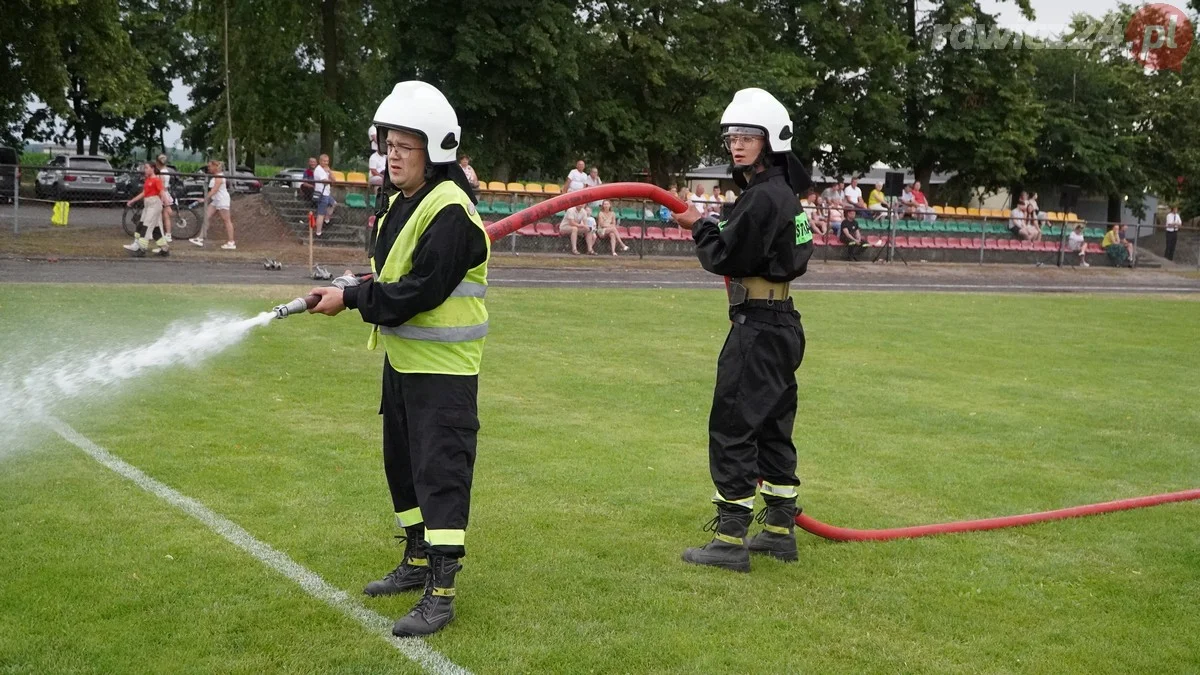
(754, 401)
(430, 424)
(1172, 239)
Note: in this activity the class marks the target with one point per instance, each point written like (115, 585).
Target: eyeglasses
(401, 150)
(737, 139)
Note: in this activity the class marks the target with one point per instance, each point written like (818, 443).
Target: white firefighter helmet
(418, 107)
(757, 109)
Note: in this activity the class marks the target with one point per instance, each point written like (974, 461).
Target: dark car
(10, 175)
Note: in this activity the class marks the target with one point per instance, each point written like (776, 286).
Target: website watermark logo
(1158, 36)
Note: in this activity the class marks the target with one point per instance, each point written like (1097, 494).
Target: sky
(1050, 15)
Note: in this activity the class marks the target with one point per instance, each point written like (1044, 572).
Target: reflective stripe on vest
(469, 289)
(431, 334)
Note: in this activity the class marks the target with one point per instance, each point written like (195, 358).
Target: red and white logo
(1160, 36)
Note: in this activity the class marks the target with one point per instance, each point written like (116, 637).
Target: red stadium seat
(623, 231)
(635, 233)
(547, 229)
(655, 233)
(673, 234)
(528, 231)
(927, 242)
(941, 242)
(1026, 245)
(975, 243)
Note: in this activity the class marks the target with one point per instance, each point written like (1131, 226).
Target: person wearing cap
(425, 304)
(763, 244)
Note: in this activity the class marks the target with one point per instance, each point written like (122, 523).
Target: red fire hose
(532, 214)
(506, 226)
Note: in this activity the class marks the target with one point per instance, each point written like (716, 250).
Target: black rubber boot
(778, 538)
(727, 550)
(413, 570)
(435, 609)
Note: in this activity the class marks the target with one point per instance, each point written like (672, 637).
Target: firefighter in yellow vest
(425, 304)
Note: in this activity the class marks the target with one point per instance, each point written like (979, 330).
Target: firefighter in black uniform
(761, 245)
(426, 305)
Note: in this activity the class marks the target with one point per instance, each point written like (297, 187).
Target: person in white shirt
(323, 177)
(371, 133)
(1076, 244)
(577, 179)
(854, 198)
(593, 180)
(578, 220)
(218, 204)
(464, 162)
(168, 202)
(702, 201)
(1173, 223)
(377, 166)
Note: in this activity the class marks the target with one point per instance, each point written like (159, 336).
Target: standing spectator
(152, 219)
(1116, 250)
(854, 200)
(575, 222)
(307, 186)
(593, 180)
(1173, 223)
(851, 236)
(1078, 245)
(577, 179)
(877, 202)
(921, 204)
(168, 200)
(465, 163)
(323, 177)
(218, 203)
(607, 227)
(372, 134)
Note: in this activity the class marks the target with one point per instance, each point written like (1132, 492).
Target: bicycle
(189, 215)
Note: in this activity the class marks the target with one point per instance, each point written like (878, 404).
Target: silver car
(77, 177)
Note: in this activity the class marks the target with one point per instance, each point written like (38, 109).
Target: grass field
(592, 478)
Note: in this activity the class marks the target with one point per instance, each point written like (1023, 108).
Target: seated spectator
(1078, 245)
(377, 166)
(1019, 226)
(816, 219)
(308, 185)
(607, 227)
(835, 215)
(578, 220)
(593, 180)
(907, 204)
(877, 203)
(1036, 214)
(854, 200)
(1125, 240)
(1118, 252)
(851, 236)
(702, 201)
(921, 205)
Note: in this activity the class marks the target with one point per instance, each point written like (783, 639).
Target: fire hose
(532, 214)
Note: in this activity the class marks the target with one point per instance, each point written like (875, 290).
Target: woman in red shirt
(151, 195)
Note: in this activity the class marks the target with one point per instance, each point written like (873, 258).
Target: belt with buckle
(757, 288)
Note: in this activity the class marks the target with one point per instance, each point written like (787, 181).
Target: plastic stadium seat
(635, 233)
(975, 243)
(356, 177)
(938, 210)
(546, 229)
(629, 214)
(941, 242)
(534, 187)
(515, 187)
(1072, 218)
(355, 200)
(501, 208)
(673, 234)
(337, 176)
(623, 231)
(528, 231)
(1047, 246)
(973, 212)
(495, 186)
(655, 233)
(551, 189)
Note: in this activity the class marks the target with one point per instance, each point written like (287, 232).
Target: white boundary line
(415, 649)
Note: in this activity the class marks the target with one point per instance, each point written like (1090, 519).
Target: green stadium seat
(484, 207)
(629, 214)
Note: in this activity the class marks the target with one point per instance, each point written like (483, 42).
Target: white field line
(415, 649)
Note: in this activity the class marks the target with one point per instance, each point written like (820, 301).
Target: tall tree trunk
(77, 105)
(329, 53)
(95, 126)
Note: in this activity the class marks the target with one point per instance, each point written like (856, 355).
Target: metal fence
(280, 210)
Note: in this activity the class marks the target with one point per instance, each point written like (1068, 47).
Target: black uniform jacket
(766, 234)
(450, 246)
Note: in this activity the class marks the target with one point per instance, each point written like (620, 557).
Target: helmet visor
(735, 135)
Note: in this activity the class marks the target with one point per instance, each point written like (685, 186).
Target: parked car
(77, 176)
(243, 180)
(10, 175)
(295, 175)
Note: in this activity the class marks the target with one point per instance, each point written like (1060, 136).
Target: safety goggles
(741, 136)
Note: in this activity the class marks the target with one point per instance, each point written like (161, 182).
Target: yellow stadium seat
(356, 177)
(974, 212)
(1072, 218)
(495, 186)
(533, 187)
(337, 176)
(938, 210)
(960, 211)
(515, 187)
(551, 188)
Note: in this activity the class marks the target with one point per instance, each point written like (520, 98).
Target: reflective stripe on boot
(778, 538)
(727, 549)
(435, 609)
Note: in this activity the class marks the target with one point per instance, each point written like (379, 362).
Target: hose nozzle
(297, 306)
